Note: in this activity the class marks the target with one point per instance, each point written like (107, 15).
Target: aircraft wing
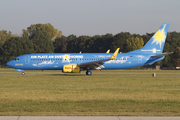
(160, 55)
(94, 64)
(99, 63)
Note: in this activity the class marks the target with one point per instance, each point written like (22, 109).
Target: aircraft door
(26, 59)
(78, 60)
(139, 59)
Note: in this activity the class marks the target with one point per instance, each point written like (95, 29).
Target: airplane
(77, 62)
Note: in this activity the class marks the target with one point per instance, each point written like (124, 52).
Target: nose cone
(9, 63)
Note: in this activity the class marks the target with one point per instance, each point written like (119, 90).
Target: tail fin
(156, 44)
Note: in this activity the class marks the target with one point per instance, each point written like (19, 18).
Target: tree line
(44, 38)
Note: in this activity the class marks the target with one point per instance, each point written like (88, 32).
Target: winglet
(108, 51)
(115, 54)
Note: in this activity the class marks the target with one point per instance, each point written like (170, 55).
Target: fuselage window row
(74, 59)
(46, 59)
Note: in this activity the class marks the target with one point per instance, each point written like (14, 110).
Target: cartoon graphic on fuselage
(76, 62)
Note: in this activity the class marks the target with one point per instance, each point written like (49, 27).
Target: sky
(91, 17)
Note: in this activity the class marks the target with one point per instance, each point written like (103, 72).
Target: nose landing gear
(23, 73)
(20, 70)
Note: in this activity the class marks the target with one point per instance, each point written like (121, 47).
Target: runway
(71, 74)
(85, 118)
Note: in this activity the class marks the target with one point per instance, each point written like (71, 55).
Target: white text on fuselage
(55, 56)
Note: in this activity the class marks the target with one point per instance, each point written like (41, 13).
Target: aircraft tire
(88, 73)
(23, 73)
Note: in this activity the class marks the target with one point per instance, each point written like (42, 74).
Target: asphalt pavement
(85, 118)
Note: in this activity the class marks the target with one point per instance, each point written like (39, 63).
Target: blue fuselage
(55, 61)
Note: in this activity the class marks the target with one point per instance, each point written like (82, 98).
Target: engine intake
(71, 68)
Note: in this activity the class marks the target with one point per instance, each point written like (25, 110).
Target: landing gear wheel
(23, 73)
(88, 72)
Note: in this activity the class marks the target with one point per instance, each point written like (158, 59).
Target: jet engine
(71, 68)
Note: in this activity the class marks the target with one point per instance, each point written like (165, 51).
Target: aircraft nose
(9, 63)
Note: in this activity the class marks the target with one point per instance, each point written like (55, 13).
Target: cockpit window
(16, 59)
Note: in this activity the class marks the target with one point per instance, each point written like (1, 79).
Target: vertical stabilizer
(156, 43)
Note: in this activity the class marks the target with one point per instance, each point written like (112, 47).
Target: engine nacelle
(71, 68)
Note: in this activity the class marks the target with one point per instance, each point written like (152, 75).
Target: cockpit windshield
(16, 59)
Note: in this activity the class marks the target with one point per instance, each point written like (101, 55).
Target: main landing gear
(23, 73)
(88, 72)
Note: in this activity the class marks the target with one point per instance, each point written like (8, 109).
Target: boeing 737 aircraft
(77, 62)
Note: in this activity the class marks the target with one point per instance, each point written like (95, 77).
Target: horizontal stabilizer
(155, 58)
(160, 55)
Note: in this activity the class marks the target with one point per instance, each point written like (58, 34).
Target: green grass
(56, 93)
